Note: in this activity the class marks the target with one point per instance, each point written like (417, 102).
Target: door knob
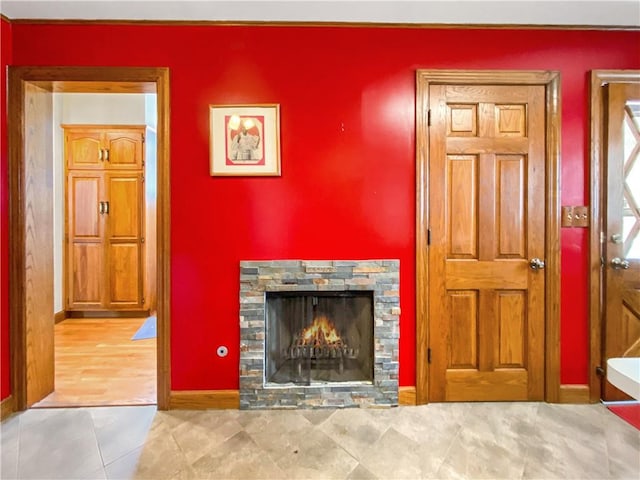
(536, 264)
(619, 263)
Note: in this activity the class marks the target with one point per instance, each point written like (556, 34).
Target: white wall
(85, 109)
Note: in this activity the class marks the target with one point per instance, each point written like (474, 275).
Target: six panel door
(486, 256)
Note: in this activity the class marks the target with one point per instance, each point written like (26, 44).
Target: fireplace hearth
(319, 334)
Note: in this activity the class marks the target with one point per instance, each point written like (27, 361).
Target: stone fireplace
(319, 333)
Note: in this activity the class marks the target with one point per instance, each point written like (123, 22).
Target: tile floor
(440, 441)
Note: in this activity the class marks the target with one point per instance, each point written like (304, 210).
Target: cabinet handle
(106, 154)
(106, 207)
(100, 155)
(101, 207)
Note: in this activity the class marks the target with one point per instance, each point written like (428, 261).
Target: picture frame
(244, 140)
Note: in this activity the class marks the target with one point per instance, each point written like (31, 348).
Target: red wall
(347, 98)
(5, 372)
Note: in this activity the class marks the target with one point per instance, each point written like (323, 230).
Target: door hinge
(428, 355)
(142, 177)
(429, 118)
(142, 240)
(143, 301)
(143, 138)
(428, 236)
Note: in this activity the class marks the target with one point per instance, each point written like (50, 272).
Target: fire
(321, 332)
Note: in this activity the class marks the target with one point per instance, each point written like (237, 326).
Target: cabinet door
(85, 248)
(84, 149)
(124, 149)
(124, 239)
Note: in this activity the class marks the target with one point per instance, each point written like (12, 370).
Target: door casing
(551, 81)
(599, 78)
(83, 80)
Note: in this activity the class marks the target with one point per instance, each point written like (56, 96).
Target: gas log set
(320, 342)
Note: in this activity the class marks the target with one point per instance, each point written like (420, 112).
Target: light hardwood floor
(97, 363)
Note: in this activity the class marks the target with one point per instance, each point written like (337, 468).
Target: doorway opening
(35, 284)
(104, 154)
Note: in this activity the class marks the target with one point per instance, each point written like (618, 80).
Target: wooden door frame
(551, 81)
(85, 80)
(599, 78)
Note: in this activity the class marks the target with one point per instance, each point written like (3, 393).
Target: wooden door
(486, 285)
(124, 238)
(123, 148)
(84, 148)
(622, 223)
(34, 294)
(85, 240)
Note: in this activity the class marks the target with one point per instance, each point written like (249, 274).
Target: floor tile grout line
(528, 448)
(120, 457)
(606, 443)
(95, 436)
(18, 447)
(453, 439)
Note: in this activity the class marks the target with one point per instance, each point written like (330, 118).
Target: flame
(321, 331)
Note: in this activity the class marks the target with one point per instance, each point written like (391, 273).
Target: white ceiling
(597, 13)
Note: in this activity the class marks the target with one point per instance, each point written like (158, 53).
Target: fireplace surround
(288, 359)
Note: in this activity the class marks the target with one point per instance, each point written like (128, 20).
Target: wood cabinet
(112, 148)
(105, 213)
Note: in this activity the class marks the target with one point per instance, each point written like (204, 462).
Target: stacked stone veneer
(379, 276)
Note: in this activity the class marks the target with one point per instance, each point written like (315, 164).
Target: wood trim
(104, 87)
(598, 79)
(107, 313)
(204, 399)
(407, 396)
(163, 240)
(81, 126)
(552, 240)
(551, 81)
(574, 394)
(60, 316)
(7, 407)
(66, 79)
(345, 24)
(17, 209)
(422, 225)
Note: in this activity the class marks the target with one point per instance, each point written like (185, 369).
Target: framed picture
(245, 139)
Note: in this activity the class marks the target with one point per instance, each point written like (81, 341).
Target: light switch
(580, 216)
(575, 216)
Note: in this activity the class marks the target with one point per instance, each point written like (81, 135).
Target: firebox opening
(319, 337)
